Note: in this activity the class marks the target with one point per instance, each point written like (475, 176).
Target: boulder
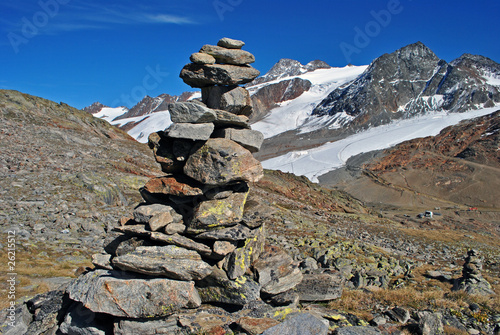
(228, 56)
(218, 288)
(247, 138)
(430, 323)
(214, 214)
(178, 185)
(320, 287)
(202, 75)
(165, 261)
(191, 131)
(190, 112)
(275, 271)
(234, 99)
(230, 43)
(398, 314)
(183, 242)
(202, 58)
(122, 295)
(299, 324)
(221, 161)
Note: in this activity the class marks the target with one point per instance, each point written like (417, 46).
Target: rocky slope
(68, 177)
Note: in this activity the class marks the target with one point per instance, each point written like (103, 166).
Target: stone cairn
(472, 280)
(191, 242)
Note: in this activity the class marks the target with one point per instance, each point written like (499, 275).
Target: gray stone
(218, 213)
(46, 309)
(357, 330)
(202, 58)
(218, 288)
(202, 75)
(123, 295)
(190, 112)
(81, 321)
(144, 213)
(227, 119)
(175, 228)
(247, 138)
(275, 271)
(191, 131)
(238, 262)
(234, 234)
(182, 241)
(320, 287)
(230, 43)
(134, 230)
(430, 323)
(399, 314)
(102, 261)
(168, 261)
(222, 248)
(221, 161)
(16, 321)
(301, 324)
(289, 297)
(228, 56)
(166, 326)
(234, 99)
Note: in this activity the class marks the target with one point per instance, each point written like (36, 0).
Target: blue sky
(114, 52)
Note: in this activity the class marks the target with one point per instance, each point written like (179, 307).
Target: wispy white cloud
(166, 18)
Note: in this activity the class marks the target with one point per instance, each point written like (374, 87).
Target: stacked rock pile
(192, 242)
(472, 280)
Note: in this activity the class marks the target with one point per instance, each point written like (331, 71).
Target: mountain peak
(96, 107)
(287, 67)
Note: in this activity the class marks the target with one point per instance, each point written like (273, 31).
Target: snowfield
(333, 155)
(293, 114)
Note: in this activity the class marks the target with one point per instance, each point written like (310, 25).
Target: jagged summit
(288, 67)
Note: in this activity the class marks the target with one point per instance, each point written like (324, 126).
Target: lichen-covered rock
(191, 112)
(238, 262)
(320, 287)
(430, 323)
(202, 75)
(218, 288)
(228, 56)
(221, 161)
(165, 261)
(122, 295)
(235, 233)
(214, 214)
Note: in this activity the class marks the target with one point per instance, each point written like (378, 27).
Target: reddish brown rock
(178, 185)
(256, 326)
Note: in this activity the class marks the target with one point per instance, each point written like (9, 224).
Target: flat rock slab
(144, 213)
(221, 161)
(202, 75)
(165, 261)
(228, 119)
(182, 241)
(228, 56)
(147, 327)
(191, 131)
(234, 234)
(114, 293)
(190, 112)
(255, 326)
(301, 324)
(177, 185)
(320, 287)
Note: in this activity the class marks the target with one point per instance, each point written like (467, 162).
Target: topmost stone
(230, 43)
